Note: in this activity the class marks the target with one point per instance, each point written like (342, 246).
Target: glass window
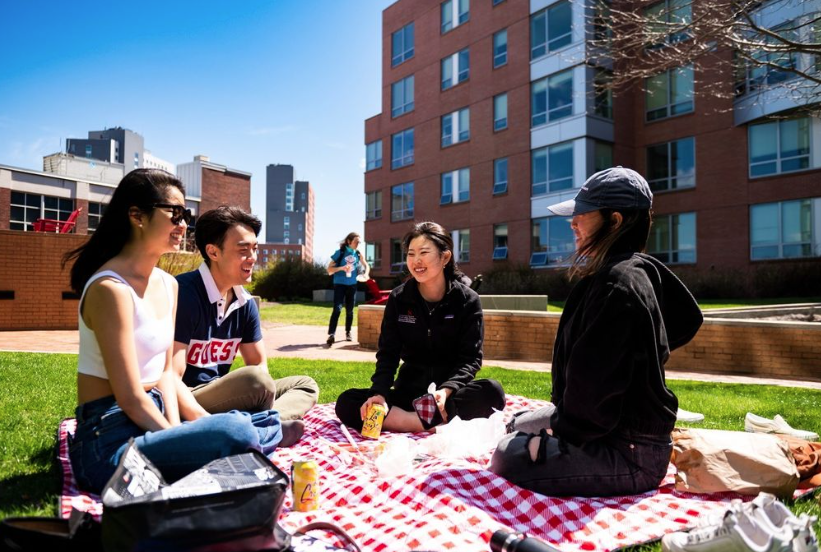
(373, 154)
(454, 13)
(373, 254)
(551, 98)
(500, 112)
(500, 48)
(88, 150)
(552, 169)
(669, 93)
(27, 208)
(781, 230)
(402, 201)
(95, 213)
(402, 97)
(461, 245)
(603, 156)
(373, 205)
(402, 45)
(455, 186)
(779, 147)
(673, 238)
(455, 68)
(665, 16)
(497, 2)
(603, 101)
(456, 127)
(552, 241)
(397, 256)
(499, 242)
(500, 176)
(551, 29)
(672, 165)
(402, 149)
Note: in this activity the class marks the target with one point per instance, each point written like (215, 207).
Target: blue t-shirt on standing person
(351, 258)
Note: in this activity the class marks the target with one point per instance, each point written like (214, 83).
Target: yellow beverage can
(305, 484)
(372, 426)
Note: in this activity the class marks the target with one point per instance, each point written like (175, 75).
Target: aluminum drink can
(372, 426)
(305, 484)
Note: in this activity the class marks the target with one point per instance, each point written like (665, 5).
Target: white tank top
(152, 337)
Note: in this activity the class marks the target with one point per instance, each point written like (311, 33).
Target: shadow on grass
(34, 493)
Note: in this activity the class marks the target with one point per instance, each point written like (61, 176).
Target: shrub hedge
(290, 279)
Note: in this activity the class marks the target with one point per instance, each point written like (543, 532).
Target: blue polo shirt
(351, 258)
(213, 342)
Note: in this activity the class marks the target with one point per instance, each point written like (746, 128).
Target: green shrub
(291, 279)
(521, 279)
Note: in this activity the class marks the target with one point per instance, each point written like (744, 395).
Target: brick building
(490, 113)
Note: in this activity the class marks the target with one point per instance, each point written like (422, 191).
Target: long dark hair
(140, 188)
(630, 237)
(348, 239)
(441, 239)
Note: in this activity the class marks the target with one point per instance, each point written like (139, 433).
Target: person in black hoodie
(607, 431)
(433, 323)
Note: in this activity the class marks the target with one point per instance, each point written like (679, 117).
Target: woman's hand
(376, 399)
(441, 396)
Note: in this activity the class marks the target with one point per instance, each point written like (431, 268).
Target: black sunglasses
(179, 213)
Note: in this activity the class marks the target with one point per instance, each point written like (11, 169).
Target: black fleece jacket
(443, 346)
(616, 332)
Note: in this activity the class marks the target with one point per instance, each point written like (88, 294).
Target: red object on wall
(57, 226)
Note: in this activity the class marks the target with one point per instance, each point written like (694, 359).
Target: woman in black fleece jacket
(434, 324)
(607, 431)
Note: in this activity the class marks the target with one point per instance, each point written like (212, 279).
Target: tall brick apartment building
(490, 114)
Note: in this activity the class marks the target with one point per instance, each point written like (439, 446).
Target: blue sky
(246, 83)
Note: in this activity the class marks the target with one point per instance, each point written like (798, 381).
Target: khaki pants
(252, 389)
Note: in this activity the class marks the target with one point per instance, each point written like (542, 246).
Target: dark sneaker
(330, 340)
(348, 336)
(292, 431)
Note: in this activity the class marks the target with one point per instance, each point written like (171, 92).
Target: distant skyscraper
(116, 145)
(289, 209)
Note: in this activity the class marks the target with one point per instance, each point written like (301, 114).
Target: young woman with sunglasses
(125, 384)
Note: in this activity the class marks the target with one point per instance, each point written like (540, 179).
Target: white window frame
(500, 186)
(543, 87)
(500, 50)
(779, 160)
(405, 211)
(500, 251)
(456, 127)
(812, 244)
(548, 184)
(41, 210)
(551, 44)
(406, 155)
(406, 52)
(459, 238)
(454, 13)
(499, 121)
(402, 96)
(455, 186)
(373, 156)
(455, 68)
(373, 205)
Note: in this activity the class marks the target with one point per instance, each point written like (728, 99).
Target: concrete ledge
(514, 302)
(327, 296)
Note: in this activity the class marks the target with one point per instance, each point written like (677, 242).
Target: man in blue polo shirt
(217, 318)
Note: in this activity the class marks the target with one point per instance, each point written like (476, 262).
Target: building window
(289, 197)
(397, 256)
(373, 154)
(672, 165)
(499, 242)
(552, 169)
(667, 15)
(373, 205)
(500, 112)
(286, 223)
(88, 151)
(27, 208)
(461, 245)
(551, 98)
(402, 149)
(456, 127)
(603, 156)
(299, 227)
(402, 201)
(454, 13)
(783, 230)
(551, 29)
(673, 238)
(500, 49)
(779, 147)
(455, 187)
(402, 97)
(552, 241)
(499, 176)
(497, 2)
(603, 100)
(402, 45)
(95, 213)
(455, 69)
(669, 93)
(373, 254)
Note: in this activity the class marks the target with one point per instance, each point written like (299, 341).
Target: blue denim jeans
(622, 463)
(344, 296)
(103, 432)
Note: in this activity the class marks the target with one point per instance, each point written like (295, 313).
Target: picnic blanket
(453, 504)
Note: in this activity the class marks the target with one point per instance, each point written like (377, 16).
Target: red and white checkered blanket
(453, 504)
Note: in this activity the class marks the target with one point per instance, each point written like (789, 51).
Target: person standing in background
(346, 264)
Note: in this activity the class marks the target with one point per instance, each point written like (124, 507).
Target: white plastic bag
(397, 457)
(464, 438)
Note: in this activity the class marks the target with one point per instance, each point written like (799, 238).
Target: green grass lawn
(38, 390)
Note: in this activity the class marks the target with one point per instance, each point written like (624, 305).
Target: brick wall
(30, 268)
(789, 350)
(224, 188)
(5, 208)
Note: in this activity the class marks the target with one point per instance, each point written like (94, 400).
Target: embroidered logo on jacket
(209, 353)
(408, 318)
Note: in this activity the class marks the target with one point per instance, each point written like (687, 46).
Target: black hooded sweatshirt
(615, 334)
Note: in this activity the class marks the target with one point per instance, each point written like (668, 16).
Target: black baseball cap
(613, 188)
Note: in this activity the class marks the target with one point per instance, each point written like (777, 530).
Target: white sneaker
(736, 533)
(689, 417)
(758, 424)
(783, 525)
